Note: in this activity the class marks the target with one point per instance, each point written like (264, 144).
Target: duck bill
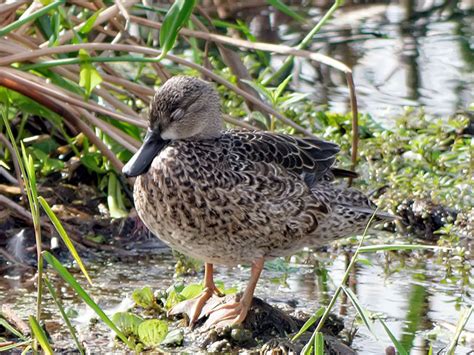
(142, 159)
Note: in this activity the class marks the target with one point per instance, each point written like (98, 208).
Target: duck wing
(311, 158)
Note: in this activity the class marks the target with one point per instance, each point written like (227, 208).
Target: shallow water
(406, 291)
(396, 63)
(398, 57)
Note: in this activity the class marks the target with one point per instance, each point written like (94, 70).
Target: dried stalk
(153, 52)
(18, 83)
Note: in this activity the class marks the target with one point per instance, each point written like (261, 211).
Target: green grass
(117, 86)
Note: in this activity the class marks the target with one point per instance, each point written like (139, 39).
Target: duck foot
(232, 313)
(193, 308)
(227, 314)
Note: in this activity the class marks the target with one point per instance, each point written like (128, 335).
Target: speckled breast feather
(247, 194)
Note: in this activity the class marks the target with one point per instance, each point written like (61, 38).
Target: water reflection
(407, 292)
(413, 53)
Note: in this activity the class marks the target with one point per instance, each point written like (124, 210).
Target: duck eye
(177, 114)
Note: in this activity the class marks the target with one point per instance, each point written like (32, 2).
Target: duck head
(183, 108)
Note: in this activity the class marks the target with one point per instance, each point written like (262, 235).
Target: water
(398, 57)
(405, 290)
(398, 60)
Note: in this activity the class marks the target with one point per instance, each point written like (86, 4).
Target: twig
(24, 213)
(38, 84)
(239, 123)
(10, 315)
(25, 87)
(152, 52)
(355, 124)
(237, 42)
(105, 16)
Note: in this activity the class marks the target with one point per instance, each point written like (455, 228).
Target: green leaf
(144, 297)
(175, 18)
(174, 338)
(114, 198)
(364, 261)
(260, 88)
(191, 291)
(55, 24)
(90, 161)
(465, 315)
(89, 77)
(40, 335)
(279, 90)
(12, 330)
(66, 276)
(69, 325)
(319, 344)
(63, 234)
(309, 323)
(360, 309)
(89, 24)
(127, 322)
(279, 5)
(152, 332)
(400, 349)
(31, 17)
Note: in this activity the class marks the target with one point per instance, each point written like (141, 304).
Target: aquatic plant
(76, 78)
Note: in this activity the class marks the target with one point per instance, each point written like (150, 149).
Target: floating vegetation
(75, 82)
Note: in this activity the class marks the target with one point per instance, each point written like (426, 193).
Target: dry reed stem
(153, 52)
(262, 46)
(38, 84)
(22, 85)
(105, 16)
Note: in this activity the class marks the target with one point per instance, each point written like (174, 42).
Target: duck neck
(212, 129)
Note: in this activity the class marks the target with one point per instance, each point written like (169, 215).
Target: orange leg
(236, 312)
(193, 307)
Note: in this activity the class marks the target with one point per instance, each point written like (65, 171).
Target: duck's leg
(193, 307)
(236, 312)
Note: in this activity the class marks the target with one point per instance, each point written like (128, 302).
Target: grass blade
(309, 323)
(390, 247)
(12, 330)
(465, 315)
(84, 295)
(71, 328)
(40, 335)
(332, 302)
(400, 349)
(282, 7)
(360, 309)
(13, 346)
(14, 25)
(62, 232)
(89, 24)
(175, 18)
(319, 344)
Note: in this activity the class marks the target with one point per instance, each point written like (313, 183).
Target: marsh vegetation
(76, 79)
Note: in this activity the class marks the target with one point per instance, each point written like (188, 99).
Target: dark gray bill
(142, 159)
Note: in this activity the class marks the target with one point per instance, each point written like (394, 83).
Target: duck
(231, 197)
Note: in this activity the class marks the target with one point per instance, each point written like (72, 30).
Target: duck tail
(379, 215)
(343, 173)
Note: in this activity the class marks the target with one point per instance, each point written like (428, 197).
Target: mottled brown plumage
(231, 197)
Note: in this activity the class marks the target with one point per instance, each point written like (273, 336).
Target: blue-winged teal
(232, 197)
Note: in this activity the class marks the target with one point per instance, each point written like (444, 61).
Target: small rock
(219, 346)
(240, 335)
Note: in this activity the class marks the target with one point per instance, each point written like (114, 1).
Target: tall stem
(303, 44)
(326, 313)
